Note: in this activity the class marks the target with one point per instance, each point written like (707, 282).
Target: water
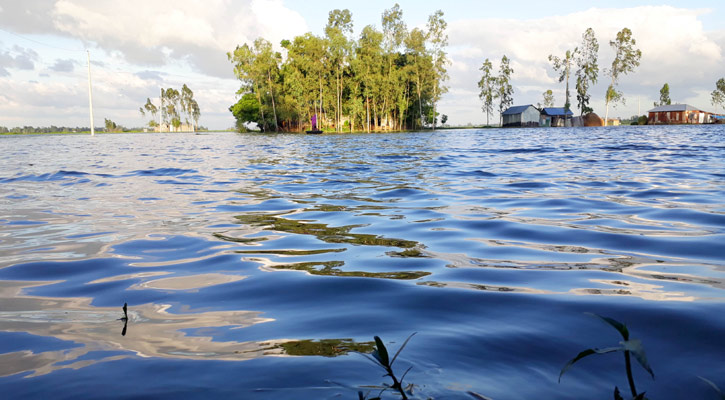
(259, 266)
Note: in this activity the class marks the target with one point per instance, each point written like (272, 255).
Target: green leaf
(620, 327)
(585, 353)
(381, 354)
(634, 346)
(401, 348)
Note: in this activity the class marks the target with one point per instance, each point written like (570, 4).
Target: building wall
(529, 117)
(677, 117)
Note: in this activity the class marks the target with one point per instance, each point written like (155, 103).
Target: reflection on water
(488, 243)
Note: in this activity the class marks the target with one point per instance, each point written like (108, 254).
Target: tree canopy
(380, 80)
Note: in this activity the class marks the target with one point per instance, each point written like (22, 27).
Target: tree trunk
(274, 108)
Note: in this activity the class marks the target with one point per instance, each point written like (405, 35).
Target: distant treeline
(50, 129)
(68, 129)
(381, 80)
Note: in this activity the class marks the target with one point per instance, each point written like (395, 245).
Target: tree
(487, 84)
(246, 110)
(563, 67)
(110, 125)
(438, 40)
(505, 92)
(664, 96)
(626, 59)
(339, 23)
(718, 95)
(548, 98)
(258, 68)
(150, 108)
(588, 70)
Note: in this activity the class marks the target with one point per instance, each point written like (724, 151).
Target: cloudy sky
(139, 46)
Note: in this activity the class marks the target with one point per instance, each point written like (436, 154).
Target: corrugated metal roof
(555, 111)
(674, 107)
(516, 109)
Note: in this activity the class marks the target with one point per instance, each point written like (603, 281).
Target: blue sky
(135, 51)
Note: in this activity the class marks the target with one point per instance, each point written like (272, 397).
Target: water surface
(260, 266)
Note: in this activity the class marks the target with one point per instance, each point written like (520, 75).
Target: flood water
(261, 267)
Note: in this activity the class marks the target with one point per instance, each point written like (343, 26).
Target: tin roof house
(555, 116)
(527, 115)
(678, 114)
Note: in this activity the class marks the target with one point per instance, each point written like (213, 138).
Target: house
(678, 114)
(555, 116)
(527, 115)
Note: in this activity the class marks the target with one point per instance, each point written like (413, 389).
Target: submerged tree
(504, 92)
(389, 79)
(563, 67)
(664, 96)
(588, 70)
(487, 84)
(626, 59)
(439, 40)
(718, 95)
(150, 108)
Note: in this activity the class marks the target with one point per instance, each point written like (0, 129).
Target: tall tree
(718, 95)
(488, 87)
(548, 98)
(563, 67)
(186, 97)
(150, 108)
(626, 59)
(438, 42)
(258, 68)
(664, 96)
(505, 92)
(420, 64)
(588, 70)
(339, 24)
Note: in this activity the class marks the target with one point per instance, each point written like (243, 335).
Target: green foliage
(626, 59)
(588, 69)
(563, 67)
(718, 95)
(642, 120)
(505, 92)
(381, 80)
(548, 98)
(664, 96)
(487, 84)
(381, 357)
(246, 110)
(111, 126)
(630, 347)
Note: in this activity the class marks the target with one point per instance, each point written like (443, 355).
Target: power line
(40, 43)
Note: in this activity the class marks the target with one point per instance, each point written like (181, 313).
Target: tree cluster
(496, 87)
(175, 105)
(389, 79)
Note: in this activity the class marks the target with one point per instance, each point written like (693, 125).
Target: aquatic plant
(630, 347)
(381, 357)
(124, 319)
(714, 386)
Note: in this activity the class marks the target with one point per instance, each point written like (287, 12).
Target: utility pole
(90, 92)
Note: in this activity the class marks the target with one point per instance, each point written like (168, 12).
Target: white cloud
(675, 49)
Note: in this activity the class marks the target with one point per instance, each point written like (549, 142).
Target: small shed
(527, 115)
(677, 114)
(555, 116)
